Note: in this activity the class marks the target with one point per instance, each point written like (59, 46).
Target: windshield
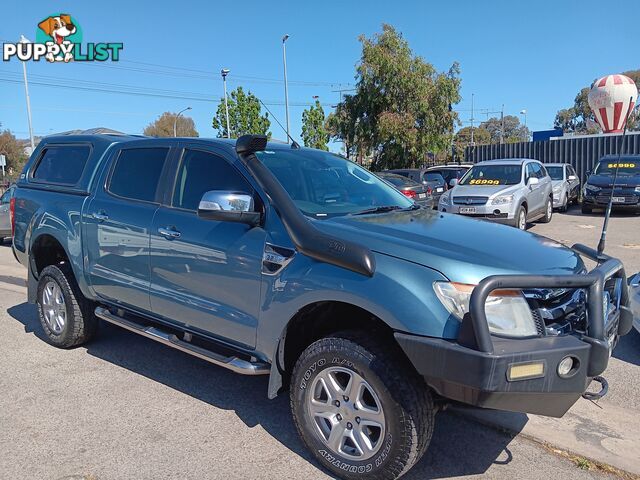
(322, 184)
(493, 175)
(555, 173)
(626, 167)
(434, 177)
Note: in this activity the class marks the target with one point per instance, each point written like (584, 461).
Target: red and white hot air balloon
(612, 98)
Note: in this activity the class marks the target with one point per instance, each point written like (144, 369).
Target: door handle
(169, 233)
(100, 216)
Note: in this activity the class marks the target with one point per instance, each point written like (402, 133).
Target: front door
(117, 223)
(534, 195)
(206, 274)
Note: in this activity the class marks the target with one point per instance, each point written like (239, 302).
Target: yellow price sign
(622, 165)
(484, 181)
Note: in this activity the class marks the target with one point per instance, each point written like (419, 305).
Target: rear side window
(136, 173)
(62, 165)
(201, 172)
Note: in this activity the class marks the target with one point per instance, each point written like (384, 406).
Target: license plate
(618, 199)
(422, 195)
(439, 189)
(467, 210)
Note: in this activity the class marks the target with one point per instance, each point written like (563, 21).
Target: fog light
(525, 371)
(567, 366)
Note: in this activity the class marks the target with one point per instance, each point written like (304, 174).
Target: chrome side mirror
(534, 181)
(225, 206)
(572, 177)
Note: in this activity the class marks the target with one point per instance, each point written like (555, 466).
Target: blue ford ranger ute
(298, 264)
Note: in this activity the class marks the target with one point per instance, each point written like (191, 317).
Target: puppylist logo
(59, 39)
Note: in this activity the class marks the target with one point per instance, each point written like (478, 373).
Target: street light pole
(526, 132)
(175, 121)
(286, 88)
(26, 92)
(224, 72)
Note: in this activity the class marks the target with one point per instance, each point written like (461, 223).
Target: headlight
(592, 188)
(502, 200)
(508, 313)
(444, 198)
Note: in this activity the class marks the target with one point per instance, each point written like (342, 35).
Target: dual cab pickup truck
(295, 263)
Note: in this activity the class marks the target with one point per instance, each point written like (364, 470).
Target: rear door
(206, 274)
(117, 225)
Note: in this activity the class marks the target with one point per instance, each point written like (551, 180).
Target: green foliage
(513, 130)
(314, 132)
(402, 106)
(13, 150)
(245, 116)
(462, 140)
(580, 118)
(163, 126)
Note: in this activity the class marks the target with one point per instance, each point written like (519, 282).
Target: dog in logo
(58, 28)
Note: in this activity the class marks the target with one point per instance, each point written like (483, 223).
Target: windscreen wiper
(380, 209)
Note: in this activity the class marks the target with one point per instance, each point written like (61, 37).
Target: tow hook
(593, 396)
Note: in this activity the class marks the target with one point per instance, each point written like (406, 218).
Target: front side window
(493, 175)
(136, 173)
(6, 196)
(62, 164)
(200, 172)
(322, 184)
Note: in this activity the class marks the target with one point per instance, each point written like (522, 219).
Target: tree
(580, 118)
(163, 126)
(314, 132)
(401, 109)
(245, 116)
(462, 139)
(14, 152)
(513, 130)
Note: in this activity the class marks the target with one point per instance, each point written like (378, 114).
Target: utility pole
(26, 92)
(526, 132)
(472, 143)
(286, 88)
(224, 72)
(502, 125)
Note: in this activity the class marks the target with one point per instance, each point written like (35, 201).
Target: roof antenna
(294, 144)
(603, 235)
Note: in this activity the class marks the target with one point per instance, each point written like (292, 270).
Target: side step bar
(233, 363)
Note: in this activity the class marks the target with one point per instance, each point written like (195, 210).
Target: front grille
(470, 200)
(560, 311)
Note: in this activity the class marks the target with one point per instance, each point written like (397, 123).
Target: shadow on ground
(628, 348)
(459, 446)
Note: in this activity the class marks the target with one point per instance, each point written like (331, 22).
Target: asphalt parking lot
(126, 407)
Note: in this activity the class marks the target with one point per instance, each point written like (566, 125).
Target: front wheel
(520, 220)
(548, 211)
(565, 204)
(359, 410)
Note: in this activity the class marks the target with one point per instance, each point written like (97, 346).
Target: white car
(634, 295)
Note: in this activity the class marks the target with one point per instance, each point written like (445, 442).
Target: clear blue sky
(531, 55)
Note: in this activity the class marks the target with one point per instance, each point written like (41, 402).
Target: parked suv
(295, 263)
(5, 216)
(514, 192)
(626, 195)
(566, 184)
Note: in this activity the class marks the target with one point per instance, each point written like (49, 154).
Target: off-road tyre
(406, 401)
(80, 324)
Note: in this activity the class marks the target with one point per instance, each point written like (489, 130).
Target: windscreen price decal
(484, 181)
(621, 165)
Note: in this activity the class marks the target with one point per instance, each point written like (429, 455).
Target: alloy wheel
(54, 307)
(522, 219)
(346, 413)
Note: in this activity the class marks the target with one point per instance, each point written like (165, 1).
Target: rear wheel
(360, 410)
(65, 314)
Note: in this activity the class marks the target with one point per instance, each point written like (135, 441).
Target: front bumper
(501, 213)
(476, 368)
(631, 201)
